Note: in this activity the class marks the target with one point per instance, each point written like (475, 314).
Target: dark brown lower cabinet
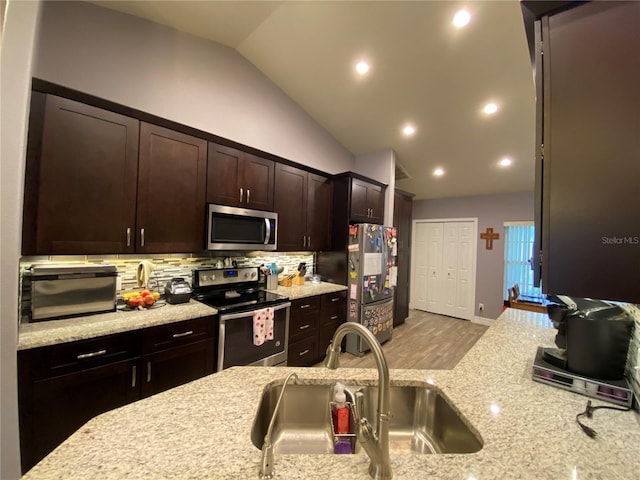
(177, 353)
(61, 387)
(312, 323)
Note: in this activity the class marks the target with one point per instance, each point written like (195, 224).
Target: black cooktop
(240, 300)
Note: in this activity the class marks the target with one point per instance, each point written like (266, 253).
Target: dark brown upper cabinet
(171, 191)
(303, 203)
(81, 179)
(239, 179)
(367, 202)
(587, 70)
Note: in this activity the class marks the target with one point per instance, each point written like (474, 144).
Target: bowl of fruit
(139, 300)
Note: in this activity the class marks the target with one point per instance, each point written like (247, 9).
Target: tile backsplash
(167, 266)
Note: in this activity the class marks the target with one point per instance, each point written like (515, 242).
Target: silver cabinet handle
(335, 299)
(183, 334)
(142, 237)
(334, 317)
(241, 194)
(305, 306)
(92, 354)
(304, 352)
(304, 241)
(309, 241)
(128, 236)
(304, 327)
(133, 376)
(248, 195)
(148, 372)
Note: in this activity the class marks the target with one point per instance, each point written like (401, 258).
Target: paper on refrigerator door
(393, 276)
(372, 264)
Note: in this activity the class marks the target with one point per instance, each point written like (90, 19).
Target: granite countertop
(308, 290)
(52, 332)
(202, 429)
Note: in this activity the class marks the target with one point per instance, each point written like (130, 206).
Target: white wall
(179, 77)
(18, 40)
(380, 166)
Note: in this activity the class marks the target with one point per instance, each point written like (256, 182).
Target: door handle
(133, 376)
(304, 327)
(241, 192)
(248, 195)
(128, 236)
(304, 352)
(142, 237)
(148, 372)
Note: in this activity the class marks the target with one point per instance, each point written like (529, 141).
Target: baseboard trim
(483, 321)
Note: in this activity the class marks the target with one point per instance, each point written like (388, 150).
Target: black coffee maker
(593, 337)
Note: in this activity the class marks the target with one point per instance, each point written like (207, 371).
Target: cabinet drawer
(172, 335)
(334, 307)
(303, 353)
(71, 357)
(305, 304)
(303, 325)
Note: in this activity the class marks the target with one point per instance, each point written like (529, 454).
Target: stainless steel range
(239, 298)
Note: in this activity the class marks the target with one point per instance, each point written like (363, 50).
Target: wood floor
(424, 341)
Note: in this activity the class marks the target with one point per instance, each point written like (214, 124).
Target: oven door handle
(233, 316)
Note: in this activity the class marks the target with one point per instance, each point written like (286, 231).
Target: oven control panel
(211, 277)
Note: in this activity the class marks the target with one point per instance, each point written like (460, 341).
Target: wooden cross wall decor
(489, 236)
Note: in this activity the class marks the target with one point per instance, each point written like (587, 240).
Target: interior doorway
(443, 269)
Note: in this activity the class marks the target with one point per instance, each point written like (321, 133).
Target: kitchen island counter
(202, 429)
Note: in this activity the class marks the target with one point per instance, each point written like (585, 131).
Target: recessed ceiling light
(409, 130)
(438, 172)
(362, 67)
(461, 18)
(490, 108)
(505, 162)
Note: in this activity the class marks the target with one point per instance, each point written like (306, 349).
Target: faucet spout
(376, 444)
(267, 469)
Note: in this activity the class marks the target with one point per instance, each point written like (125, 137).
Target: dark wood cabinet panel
(303, 203)
(290, 203)
(259, 174)
(239, 179)
(312, 324)
(588, 166)
(177, 353)
(402, 220)
(62, 387)
(319, 203)
(171, 191)
(81, 179)
(177, 366)
(367, 202)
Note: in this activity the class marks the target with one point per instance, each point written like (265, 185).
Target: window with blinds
(518, 249)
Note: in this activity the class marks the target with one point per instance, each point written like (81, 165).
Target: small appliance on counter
(593, 341)
(72, 290)
(177, 291)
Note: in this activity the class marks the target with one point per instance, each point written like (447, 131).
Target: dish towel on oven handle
(262, 325)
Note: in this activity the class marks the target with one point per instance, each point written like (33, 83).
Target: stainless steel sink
(422, 421)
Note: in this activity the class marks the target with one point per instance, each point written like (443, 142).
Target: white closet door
(450, 267)
(464, 294)
(419, 267)
(434, 288)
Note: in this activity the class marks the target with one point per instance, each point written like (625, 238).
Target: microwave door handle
(268, 234)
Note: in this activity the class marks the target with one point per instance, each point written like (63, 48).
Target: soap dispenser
(341, 417)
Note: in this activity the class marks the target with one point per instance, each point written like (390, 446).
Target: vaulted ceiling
(424, 71)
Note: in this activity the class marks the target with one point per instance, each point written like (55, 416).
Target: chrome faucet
(267, 470)
(376, 444)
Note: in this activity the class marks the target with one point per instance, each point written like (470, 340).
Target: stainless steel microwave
(231, 228)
